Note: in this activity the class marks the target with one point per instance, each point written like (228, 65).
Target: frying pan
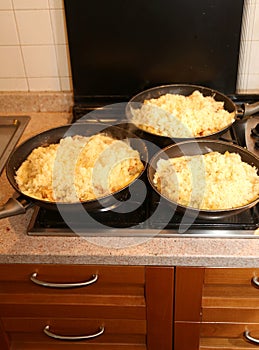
(194, 147)
(136, 102)
(20, 204)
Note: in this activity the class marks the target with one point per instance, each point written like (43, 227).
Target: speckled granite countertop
(18, 247)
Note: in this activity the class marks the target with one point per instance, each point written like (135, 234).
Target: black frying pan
(186, 90)
(19, 205)
(191, 148)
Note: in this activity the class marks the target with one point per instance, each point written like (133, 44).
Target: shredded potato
(175, 115)
(213, 181)
(79, 169)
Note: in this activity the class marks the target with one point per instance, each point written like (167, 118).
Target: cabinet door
(230, 308)
(111, 280)
(4, 341)
(80, 332)
(216, 308)
(58, 298)
(133, 304)
(187, 309)
(159, 289)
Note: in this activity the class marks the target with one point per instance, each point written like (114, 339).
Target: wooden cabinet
(85, 307)
(128, 307)
(216, 308)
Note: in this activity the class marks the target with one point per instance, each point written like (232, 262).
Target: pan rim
(193, 209)
(66, 128)
(177, 85)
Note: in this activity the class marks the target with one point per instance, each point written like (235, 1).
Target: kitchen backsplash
(34, 48)
(248, 77)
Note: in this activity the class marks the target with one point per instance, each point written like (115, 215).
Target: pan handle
(250, 109)
(14, 206)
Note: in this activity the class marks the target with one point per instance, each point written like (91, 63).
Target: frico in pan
(94, 168)
(183, 111)
(210, 179)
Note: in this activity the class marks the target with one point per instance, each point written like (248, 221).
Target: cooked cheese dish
(179, 116)
(79, 169)
(213, 181)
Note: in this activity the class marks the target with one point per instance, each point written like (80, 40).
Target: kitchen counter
(16, 246)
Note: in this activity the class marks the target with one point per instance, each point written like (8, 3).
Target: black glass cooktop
(143, 221)
(148, 216)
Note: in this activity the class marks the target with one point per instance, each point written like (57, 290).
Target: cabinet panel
(231, 330)
(188, 299)
(225, 344)
(230, 315)
(241, 276)
(111, 279)
(4, 341)
(188, 293)
(186, 335)
(214, 307)
(115, 331)
(123, 306)
(17, 345)
(93, 306)
(75, 325)
(116, 301)
(159, 298)
(134, 304)
(230, 295)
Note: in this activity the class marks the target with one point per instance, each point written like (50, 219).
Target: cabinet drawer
(186, 335)
(24, 345)
(228, 336)
(17, 345)
(230, 276)
(114, 331)
(110, 279)
(229, 295)
(33, 305)
(118, 292)
(228, 330)
(225, 344)
(232, 315)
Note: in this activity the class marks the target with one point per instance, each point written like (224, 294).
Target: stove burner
(255, 133)
(252, 135)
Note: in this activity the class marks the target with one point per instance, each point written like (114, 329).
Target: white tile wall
(248, 77)
(34, 50)
(6, 5)
(30, 4)
(33, 46)
(8, 25)
(11, 62)
(34, 27)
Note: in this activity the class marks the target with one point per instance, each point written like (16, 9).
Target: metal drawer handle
(251, 339)
(255, 281)
(34, 279)
(66, 337)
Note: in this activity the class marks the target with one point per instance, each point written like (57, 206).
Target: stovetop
(150, 218)
(152, 215)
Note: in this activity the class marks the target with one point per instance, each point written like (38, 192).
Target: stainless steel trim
(145, 232)
(248, 337)
(14, 206)
(255, 281)
(11, 129)
(66, 337)
(35, 280)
